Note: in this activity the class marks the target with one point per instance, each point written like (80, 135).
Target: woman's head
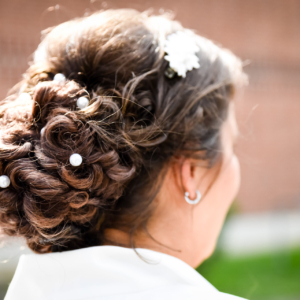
(138, 127)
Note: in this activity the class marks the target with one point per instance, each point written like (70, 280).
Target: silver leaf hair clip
(181, 48)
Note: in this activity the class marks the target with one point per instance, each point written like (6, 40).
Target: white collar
(108, 272)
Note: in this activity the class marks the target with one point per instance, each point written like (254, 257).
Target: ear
(190, 177)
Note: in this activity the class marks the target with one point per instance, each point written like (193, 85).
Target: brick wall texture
(264, 33)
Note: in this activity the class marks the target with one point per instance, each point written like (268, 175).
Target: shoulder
(179, 292)
(111, 273)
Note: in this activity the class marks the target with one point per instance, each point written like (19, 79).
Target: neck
(145, 240)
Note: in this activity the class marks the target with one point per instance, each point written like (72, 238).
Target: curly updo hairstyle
(138, 119)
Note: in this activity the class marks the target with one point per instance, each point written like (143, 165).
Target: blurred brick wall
(265, 32)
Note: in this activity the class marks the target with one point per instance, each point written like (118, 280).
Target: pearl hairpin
(59, 78)
(4, 181)
(75, 159)
(42, 131)
(82, 102)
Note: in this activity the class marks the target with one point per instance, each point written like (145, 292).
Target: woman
(116, 159)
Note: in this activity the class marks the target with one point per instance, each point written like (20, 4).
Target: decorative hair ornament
(24, 97)
(75, 159)
(181, 48)
(42, 131)
(4, 181)
(82, 102)
(195, 201)
(59, 78)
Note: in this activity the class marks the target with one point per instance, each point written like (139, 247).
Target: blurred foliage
(265, 276)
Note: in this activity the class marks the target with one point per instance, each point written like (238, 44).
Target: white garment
(110, 273)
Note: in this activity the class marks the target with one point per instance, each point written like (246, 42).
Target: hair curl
(137, 121)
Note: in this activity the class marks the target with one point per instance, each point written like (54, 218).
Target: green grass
(266, 276)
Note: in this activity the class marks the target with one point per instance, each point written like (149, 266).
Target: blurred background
(258, 253)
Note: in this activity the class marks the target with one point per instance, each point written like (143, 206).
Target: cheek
(227, 186)
(233, 178)
(210, 214)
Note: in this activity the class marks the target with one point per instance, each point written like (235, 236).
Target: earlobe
(188, 178)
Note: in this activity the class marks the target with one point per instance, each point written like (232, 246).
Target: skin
(189, 232)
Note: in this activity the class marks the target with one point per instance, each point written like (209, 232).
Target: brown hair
(138, 119)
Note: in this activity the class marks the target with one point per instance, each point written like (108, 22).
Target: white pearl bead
(59, 78)
(82, 102)
(25, 97)
(42, 130)
(75, 159)
(4, 181)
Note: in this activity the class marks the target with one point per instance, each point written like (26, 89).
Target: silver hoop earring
(195, 201)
